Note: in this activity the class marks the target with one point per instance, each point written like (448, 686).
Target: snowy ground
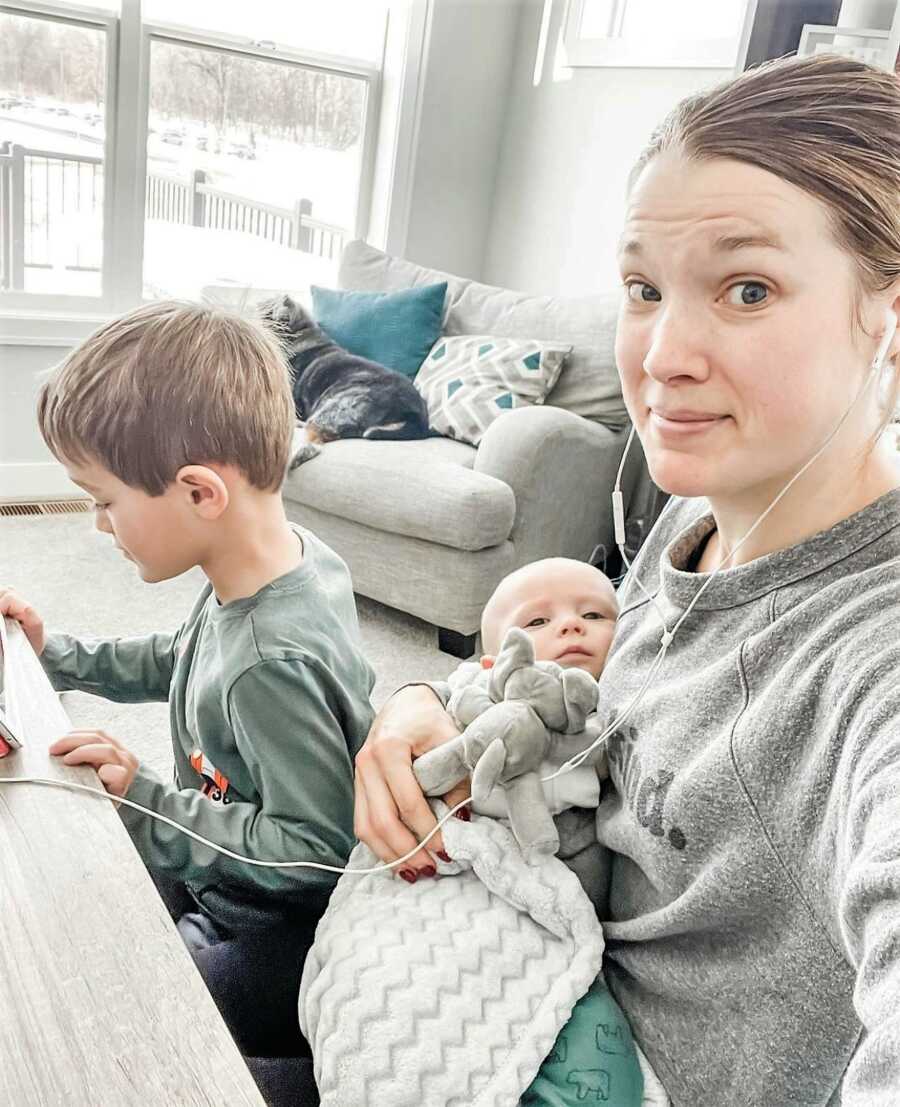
(180, 260)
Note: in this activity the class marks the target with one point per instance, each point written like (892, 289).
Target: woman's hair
(172, 384)
(826, 124)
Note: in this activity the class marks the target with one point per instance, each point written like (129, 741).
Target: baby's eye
(639, 292)
(746, 293)
(592, 615)
(537, 621)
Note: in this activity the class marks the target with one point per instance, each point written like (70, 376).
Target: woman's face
(735, 340)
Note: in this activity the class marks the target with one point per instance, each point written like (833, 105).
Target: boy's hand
(115, 766)
(13, 606)
(487, 661)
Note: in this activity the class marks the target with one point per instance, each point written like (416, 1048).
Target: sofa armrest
(561, 468)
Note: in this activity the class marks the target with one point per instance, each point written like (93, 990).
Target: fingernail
(408, 875)
(463, 813)
(443, 856)
(428, 870)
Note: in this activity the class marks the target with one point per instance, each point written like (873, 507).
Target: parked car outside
(241, 150)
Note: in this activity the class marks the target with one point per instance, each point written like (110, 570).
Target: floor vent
(57, 507)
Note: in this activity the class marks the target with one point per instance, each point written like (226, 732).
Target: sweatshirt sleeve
(128, 670)
(291, 740)
(868, 856)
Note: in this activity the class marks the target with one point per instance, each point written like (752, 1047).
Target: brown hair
(172, 384)
(827, 124)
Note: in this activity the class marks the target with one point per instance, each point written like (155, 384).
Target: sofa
(431, 526)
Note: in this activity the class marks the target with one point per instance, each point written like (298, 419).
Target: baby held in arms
(444, 991)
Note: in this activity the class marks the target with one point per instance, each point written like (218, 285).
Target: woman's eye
(537, 621)
(639, 292)
(100, 507)
(746, 293)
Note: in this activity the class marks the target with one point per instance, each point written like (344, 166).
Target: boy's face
(153, 532)
(568, 608)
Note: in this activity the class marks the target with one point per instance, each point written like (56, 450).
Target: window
(198, 143)
(253, 170)
(702, 33)
(53, 86)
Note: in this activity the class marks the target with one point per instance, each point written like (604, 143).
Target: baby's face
(569, 610)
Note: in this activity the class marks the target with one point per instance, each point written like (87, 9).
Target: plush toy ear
(580, 692)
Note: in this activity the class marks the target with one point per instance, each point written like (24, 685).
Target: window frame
(129, 41)
(613, 52)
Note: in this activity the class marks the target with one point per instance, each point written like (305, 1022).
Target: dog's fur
(336, 393)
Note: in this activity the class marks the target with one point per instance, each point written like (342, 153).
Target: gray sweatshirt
(753, 811)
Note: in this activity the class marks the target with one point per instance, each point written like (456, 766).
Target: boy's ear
(206, 489)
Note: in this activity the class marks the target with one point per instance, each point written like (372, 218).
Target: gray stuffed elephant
(516, 716)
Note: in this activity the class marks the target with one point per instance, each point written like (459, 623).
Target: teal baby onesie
(593, 1061)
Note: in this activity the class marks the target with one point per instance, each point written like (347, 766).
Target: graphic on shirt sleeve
(215, 784)
(613, 1039)
(644, 791)
(592, 1084)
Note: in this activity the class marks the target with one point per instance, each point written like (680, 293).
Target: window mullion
(124, 201)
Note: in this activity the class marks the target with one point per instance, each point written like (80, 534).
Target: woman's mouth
(683, 422)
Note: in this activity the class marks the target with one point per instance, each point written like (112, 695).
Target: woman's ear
(205, 490)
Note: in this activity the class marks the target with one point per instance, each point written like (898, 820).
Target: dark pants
(254, 978)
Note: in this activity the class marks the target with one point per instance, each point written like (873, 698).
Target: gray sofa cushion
(425, 489)
(589, 384)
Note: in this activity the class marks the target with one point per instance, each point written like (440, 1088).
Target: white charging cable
(573, 763)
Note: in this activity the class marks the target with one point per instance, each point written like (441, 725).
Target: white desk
(100, 1003)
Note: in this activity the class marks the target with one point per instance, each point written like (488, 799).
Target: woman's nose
(676, 350)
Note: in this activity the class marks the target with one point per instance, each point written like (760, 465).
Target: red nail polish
(408, 875)
(428, 870)
(463, 813)
(443, 856)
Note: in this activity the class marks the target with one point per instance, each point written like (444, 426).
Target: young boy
(177, 419)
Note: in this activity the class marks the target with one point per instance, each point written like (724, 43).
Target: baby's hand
(13, 606)
(115, 766)
(487, 662)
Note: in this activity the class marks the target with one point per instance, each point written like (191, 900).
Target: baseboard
(34, 481)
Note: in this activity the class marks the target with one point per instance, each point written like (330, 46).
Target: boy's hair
(172, 384)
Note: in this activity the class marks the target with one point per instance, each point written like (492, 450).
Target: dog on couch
(338, 394)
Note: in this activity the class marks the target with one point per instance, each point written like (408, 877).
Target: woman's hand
(392, 815)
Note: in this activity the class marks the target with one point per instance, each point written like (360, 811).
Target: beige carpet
(80, 584)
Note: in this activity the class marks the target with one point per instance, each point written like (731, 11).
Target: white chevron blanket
(448, 992)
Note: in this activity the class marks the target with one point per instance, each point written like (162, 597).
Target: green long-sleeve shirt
(268, 705)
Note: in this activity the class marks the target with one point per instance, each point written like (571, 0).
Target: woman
(753, 920)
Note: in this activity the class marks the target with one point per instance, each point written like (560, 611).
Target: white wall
(567, 148)
(28, 470)
(468, 67)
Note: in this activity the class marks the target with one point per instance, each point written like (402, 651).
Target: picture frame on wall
(865, 44)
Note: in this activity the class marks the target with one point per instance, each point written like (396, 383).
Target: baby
(568, 611)
(478, 981)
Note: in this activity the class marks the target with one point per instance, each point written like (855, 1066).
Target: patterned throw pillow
(468, 380)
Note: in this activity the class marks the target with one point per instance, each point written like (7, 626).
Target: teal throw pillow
(396, 329)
